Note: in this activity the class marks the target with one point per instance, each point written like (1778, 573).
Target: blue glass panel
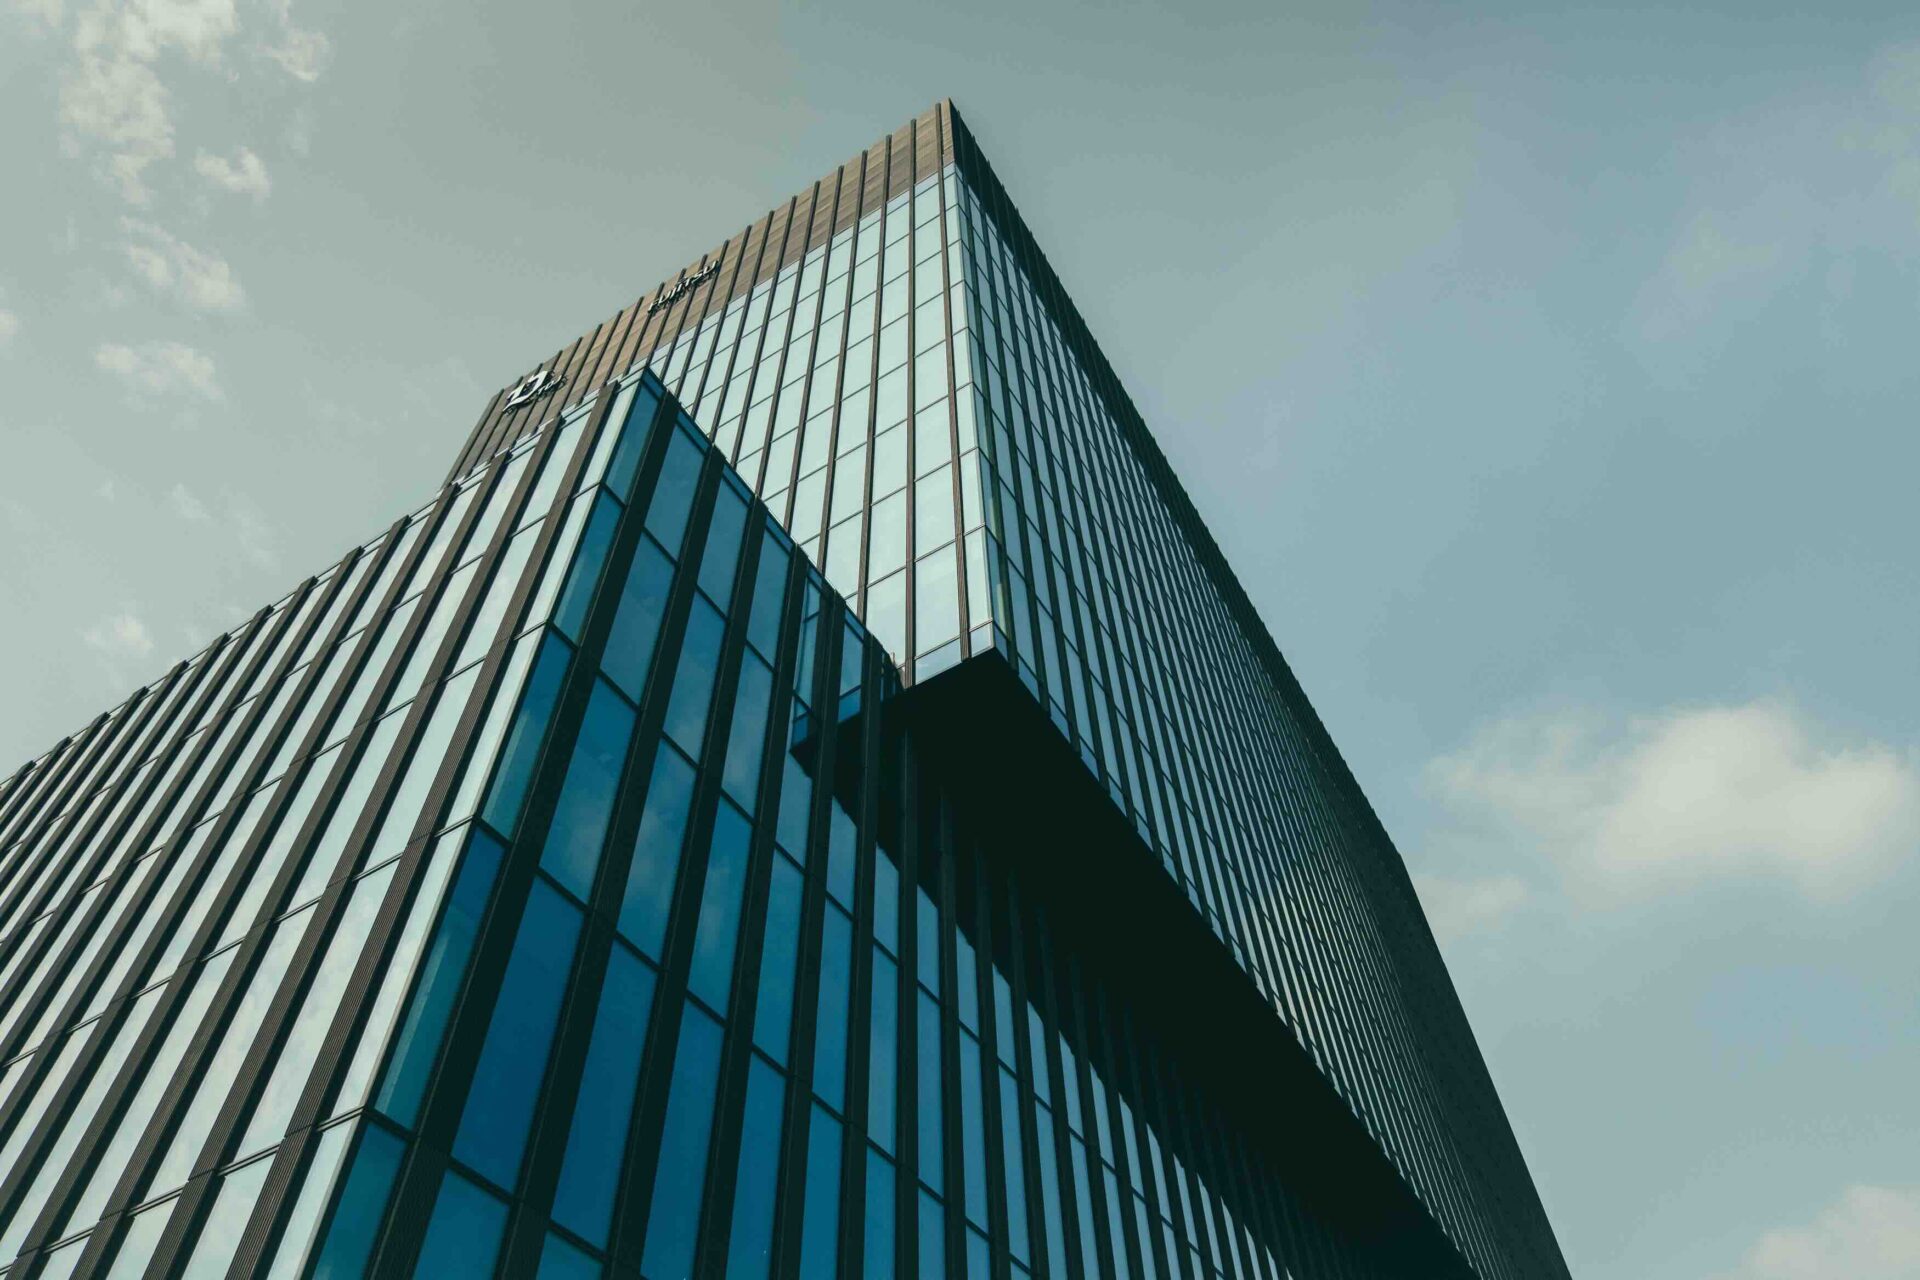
(836, 982)
(693, 682)
(933, 1239)
(773, 1019)
(880, 1210)
(682, 1169)
(886, 901)
(522, 752)
(440, 976)
(820, 1226)
(493, 1126)
(363, 1202)
(973, 1132)
(750, 1250)
(721, 559)
(656, 852)
(1015, 1166)
(927, 917)
(584, 575)
(562, 1261)
(841, 838)
(463, 1236)
(572, 852)
(747, 740)
(1050, 1195)
(716, 936)
(796, 803)
(769, 595)
(590, 1173)
(636, 627)
(932, 1161)
(883, 1050)
(672, 497)
(633, 440)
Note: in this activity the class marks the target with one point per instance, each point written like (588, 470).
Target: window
(717, 933)
(681, 1174)
(580, 816)
(656, 852)
(596, 1143)
(506, 1082)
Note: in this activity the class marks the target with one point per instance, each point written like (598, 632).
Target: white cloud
(108, 491)
(244, 175)
(302, 54)
(121, 636)
(161, 368)
(1688, 796)
(1461, 908)
(9, 326)
(115, 106)
(1870, 1233)
(118, 103)
(202, 280)
(185, 505)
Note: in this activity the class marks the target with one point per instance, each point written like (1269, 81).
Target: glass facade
(559, 883)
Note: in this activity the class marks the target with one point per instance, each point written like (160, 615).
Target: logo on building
(530, 388)
(686, 286)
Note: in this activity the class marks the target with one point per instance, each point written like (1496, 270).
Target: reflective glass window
(596, 1142)
(672, 499)
(717, 932)
(656, 852)
(749, 1253)
(585, 804)
(571, 614)
(836, 980)
(693, 682)
(440, 977)
(636, 625)
(681, 1172)
(463, 1236)
(522, 751)
(363, 1203)
(721, 557)
(820, 1224)
(506, 1082)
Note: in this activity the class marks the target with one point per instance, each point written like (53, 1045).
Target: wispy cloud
(9, 326)
(202, 280)
(243, 175)
(1793, 193)
(1869, 1233)
(1460, 908)
(1629, 807)
(161, 369)
(123, 635)
(115, 107)
(183, 503)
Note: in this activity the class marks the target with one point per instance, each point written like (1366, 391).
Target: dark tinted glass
(716, 935)
(499, 1107)
(518, 757)
(572, 852)
(583, 1200)
(683, 1149)
(672, 497)
(636, 626)
(656, 852)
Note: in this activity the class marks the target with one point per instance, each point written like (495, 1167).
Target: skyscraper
(806, 798)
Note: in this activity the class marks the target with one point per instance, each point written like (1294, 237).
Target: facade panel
(696, 849)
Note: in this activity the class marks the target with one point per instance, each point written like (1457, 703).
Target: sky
(1546, 375)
